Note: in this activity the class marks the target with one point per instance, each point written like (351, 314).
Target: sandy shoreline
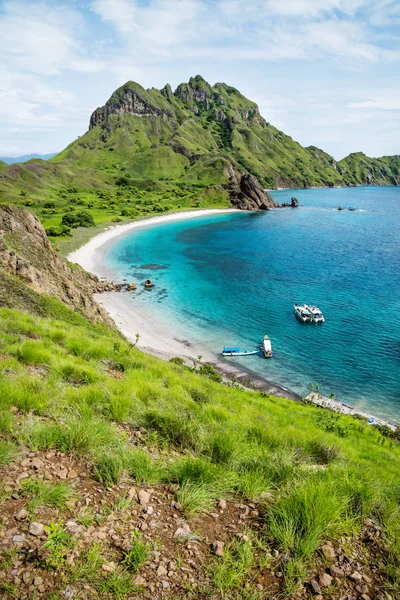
(155, 336)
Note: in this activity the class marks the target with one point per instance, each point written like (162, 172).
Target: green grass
(138, 553)
(315, 477)
(195, 497)
(233, 568)
(44, 493)
(8, 452)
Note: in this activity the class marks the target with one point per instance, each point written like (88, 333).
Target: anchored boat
(308, 314)
(316, 314)
(267, 347)
(302, 313)
(238, 352)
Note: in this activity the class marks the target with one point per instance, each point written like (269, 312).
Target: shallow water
(231, 278)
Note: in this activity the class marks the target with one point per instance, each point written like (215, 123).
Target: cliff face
(26, 253)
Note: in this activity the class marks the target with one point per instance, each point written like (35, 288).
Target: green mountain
(156, 150)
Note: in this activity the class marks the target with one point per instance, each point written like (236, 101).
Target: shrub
(195, 497)
(109, 469)
(177, 429)
(79, 219)
(58, 230)
(305, 515)
(45, 493)
(8, 452)
(210, 372)
(138, 553)
(142, 467)
(231, 570)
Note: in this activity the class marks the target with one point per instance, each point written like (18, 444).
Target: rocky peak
(129, 99)
(196, 91)
(167, 92)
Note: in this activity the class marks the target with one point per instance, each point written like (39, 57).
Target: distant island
(10, 160)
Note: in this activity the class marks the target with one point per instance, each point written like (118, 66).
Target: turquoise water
(229, 279)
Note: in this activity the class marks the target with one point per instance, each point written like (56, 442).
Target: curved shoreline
(155, 336)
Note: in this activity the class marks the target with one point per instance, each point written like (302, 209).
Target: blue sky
(327, 72)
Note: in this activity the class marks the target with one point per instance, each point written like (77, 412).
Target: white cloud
(42, 39)
(120, 13)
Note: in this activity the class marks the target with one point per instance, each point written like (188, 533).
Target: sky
(326, 72)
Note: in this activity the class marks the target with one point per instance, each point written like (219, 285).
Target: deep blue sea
(229, 279)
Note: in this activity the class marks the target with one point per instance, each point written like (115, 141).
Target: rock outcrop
(26, 253)
(247, 194)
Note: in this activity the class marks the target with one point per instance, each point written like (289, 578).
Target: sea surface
(228, 279)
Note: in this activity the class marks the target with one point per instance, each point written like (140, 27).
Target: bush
(58, 230)
(210, 372)
(79, 219)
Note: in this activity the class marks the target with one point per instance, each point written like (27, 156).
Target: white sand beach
(155, 337)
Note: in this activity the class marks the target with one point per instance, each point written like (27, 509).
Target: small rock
(143, 497)
(69, 592)
(222, 504)
(161, 571)
(328, 552)
(182, 533)
(356, 576)
(27, 577)
(72, 474)
(19, 539)
(109, 567)
(23, 513)
(315, 586)
(217, 548)
(132, 492)
(139, 580)
(325, 580)
(365, 597)
(62, 474)
(37, 464)
(337, 572)
(38, 581)
(36, 528)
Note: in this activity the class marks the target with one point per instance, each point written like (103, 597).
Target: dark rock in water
(247, 193)
(152, 267)
(340, 208)
(293, 204)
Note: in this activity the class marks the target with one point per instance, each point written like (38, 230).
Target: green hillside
(150, 151)
(124, 476)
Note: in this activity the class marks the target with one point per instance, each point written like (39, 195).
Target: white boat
(302, 313)
(316, 314)
(267, 347)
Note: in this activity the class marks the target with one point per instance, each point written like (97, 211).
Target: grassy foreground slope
(155, 480)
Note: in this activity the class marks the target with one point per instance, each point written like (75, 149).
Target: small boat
(267, 347)
(302, 313)
(316, 314)
(238, 352)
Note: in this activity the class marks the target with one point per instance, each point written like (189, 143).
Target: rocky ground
(91, 557)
